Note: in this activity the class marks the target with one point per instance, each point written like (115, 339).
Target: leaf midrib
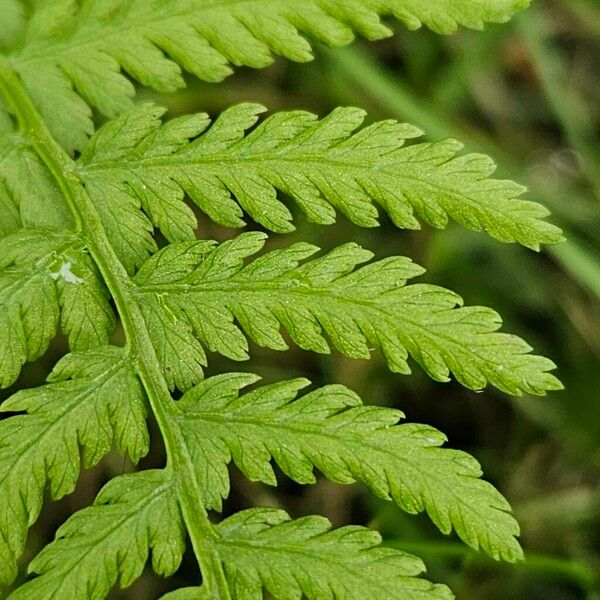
(415, 325)
(220, 162)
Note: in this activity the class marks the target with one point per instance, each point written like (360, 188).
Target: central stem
(139, 344)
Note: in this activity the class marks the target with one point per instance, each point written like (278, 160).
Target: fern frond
(46, 277)
(110, 541)
(263, 549)
(331, 430)
(75, 56)
(208, 291)
(93, 402)
(78, 234)
(323, 166)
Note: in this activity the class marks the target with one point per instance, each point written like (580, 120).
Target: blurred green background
(527, 93)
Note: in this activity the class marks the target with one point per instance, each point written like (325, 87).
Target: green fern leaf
(128, 228)
(110, 541)
(93, 401)
(177, 349)
(213, 293)
(74, 56)
(322, 165)
(331, 430)
(264, 549)
(45, 276)
(76, 235)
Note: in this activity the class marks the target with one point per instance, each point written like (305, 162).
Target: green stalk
(139, 344)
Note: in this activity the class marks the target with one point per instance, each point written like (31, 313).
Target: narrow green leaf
(331, 430)
(324, 166)
(75, 56)
(213, 292)
(263, 549)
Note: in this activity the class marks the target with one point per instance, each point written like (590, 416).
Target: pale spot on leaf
(67, 274)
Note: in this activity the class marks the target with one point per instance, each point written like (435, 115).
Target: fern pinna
(78, 214)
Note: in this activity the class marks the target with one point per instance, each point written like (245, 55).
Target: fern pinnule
(46, 278)
(332, 430)
(136, 163)
(72, 57)
(199, 290)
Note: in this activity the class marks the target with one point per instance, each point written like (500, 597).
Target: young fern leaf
(135, 162)
(331, 430)
(88, 46)
(93, 402)
(110, 541)
(263, 549)
(197, 289)
(47, 278)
